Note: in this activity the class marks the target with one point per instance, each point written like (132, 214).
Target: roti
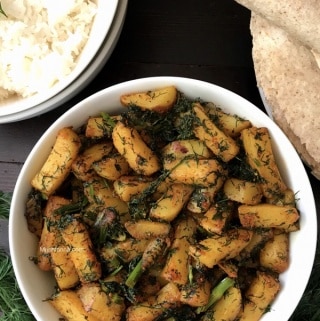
(299, 18)
(289, 76)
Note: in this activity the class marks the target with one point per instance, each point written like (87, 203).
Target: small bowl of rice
(45, 46)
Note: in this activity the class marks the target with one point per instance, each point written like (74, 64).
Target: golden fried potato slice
(159, 100)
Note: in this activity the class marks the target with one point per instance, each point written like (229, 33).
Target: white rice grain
(40, 41)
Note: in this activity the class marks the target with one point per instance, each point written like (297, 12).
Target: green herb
(2, 11)
(72, 208)
(5, 199)
(217, 293)
(12, 304)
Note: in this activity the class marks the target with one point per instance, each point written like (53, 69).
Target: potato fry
(275, 253)
(176, 268)
(159, 100)
(202, 197)
(258, 147)
(232, 125)
(99, 304)
(215, 219)
(63, 268)
(260, 294)
(98, 127)
(201, 172)
(220, 144)
(242, 191)
(179, 149)
(76, 236)
(211, 251)
(227, 308)
(130, 145)
(146, 229)
(49, 240)
(268, 216)
(111, 167)
(58, 164)
(69, 305)
(196, 294)
(82, 165)
(166, 199)
(171, 203)
(127, 187)
(167, 297)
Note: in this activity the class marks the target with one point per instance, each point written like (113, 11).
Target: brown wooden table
(207, 40)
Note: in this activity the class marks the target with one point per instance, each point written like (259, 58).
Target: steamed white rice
(40, 41)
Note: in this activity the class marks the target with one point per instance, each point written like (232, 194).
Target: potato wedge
(230, 124)
(99, 304)
(179, 149)
(99, 127)
(176, 268)
(171, 203)
(216, 218)
(58, 164)
(227, 308)
(63, 268)
(260, 294)
(242, 191)
(111, 167)
(50, 236)
(201, 172)
(159, 100)
(216, 140)
(146, 229)
(196, 294)
(258, 148)
(275, 253)
(69, 305)
(127, 187)
(167, 297)
(211, 251)
(82, 165)
(131, 146)
(76, 236)
(268, 216)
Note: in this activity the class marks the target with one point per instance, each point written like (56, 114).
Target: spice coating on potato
(160, 100)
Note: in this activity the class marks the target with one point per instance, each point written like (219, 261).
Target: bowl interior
(100, 28)
(23, 244)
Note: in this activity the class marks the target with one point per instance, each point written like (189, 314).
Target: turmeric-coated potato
(159, 100)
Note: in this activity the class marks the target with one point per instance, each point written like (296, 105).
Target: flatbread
(299, 18)
(289, 76)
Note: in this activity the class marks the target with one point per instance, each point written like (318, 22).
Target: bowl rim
(101, 26)
(86, 76)
(292, 292)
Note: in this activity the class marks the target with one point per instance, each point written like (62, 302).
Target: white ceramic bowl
(14, 109)
(36, 285)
